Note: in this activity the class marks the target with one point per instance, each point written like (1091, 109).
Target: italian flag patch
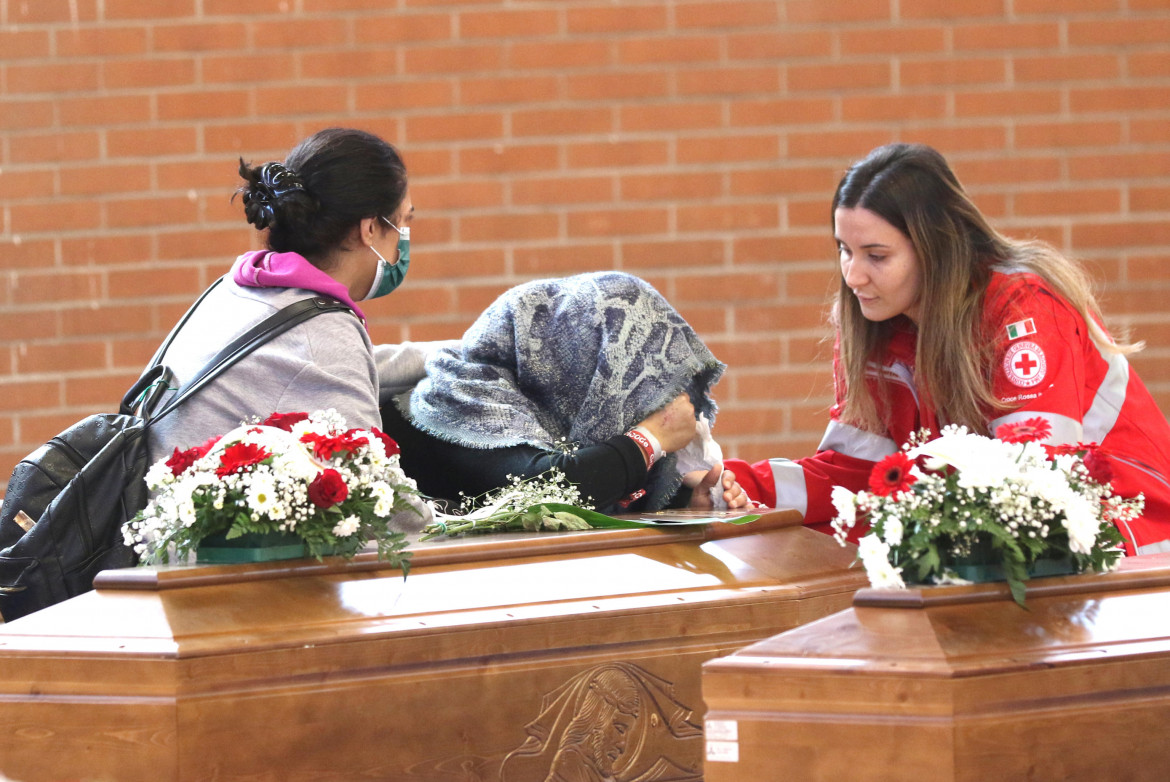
(1021, 329)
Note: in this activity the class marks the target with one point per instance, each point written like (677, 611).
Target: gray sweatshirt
(327, 361)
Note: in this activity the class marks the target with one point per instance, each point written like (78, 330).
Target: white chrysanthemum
(185, 509)
(383, 494)
(948, 447)
(845, 502)
(988, 465)
(1082, 525)
(981, 461)
(261, 493)
(1066, 463)
(296, 461)
(874, 555)
(346, 527)
(1031, 454)
(1051, 486)
(892, 529)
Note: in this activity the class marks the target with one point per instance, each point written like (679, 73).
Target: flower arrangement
(549, 503)
(1010, 497)
(333, 487)
(545, 502)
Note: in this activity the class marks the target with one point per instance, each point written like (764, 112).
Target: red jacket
(1047, 366)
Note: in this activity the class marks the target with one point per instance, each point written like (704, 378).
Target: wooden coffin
(499, 658)
(957, 683)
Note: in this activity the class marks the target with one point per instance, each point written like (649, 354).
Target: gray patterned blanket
(564, 362)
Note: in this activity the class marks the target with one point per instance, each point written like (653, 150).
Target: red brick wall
(694, 143)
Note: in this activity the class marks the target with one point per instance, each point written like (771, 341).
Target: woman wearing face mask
(941, 319)
(337, 214)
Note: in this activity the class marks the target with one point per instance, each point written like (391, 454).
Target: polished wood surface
(956, 683)
(483, 664)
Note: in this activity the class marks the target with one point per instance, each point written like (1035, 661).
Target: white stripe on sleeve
(858, 443)
(790, 487)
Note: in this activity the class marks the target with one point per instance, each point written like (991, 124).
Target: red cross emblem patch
(1025, 364)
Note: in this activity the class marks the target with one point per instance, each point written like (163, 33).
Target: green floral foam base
(985, 572)
(249, 547)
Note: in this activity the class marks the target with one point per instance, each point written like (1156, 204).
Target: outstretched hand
(733, 493)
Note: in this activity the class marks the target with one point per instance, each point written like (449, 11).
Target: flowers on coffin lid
(521, 505)
(334, 487)
(546, 503)
(929, 505)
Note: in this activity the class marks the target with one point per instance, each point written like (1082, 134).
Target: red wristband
(644, 444)
(639, 494)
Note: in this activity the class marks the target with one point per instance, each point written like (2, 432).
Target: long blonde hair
(911, 187)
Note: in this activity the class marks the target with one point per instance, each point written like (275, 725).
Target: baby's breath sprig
(521, 505)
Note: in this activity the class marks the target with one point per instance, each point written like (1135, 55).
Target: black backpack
(62, 515)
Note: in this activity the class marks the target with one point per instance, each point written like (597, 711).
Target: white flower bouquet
(550, 503)
(332, 487)
(546, 502)
(1008, 502)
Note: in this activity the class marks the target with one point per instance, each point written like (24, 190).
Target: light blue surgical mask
(390, 275)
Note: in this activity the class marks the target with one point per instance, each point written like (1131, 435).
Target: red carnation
(387, 440)
(1032, 430)
(891, 475)
(328, 489)
(181, 460)
(237, 456)
(324, 446)
(284, 421)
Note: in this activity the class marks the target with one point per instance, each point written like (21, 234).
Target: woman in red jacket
(941, 319)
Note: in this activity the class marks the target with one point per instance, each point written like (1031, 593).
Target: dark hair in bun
(330, 182)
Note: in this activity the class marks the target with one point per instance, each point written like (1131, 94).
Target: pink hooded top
(268, 269)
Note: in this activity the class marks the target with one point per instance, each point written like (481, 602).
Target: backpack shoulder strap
(277, 323)
(162, 349)
(155, 378)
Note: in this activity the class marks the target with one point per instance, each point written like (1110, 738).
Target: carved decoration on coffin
(615, 722)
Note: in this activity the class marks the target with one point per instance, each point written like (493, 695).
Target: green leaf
(532, 519)
(1016, 573)
(1018, 591)
(929, 562)
(601, 521)
(570, 521)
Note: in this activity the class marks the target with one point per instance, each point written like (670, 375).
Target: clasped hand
(675, 426)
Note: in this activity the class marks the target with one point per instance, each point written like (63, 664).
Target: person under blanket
(595, 375)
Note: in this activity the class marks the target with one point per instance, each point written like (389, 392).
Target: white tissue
(701, 453)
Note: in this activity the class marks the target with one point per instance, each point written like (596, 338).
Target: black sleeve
(605, 473)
